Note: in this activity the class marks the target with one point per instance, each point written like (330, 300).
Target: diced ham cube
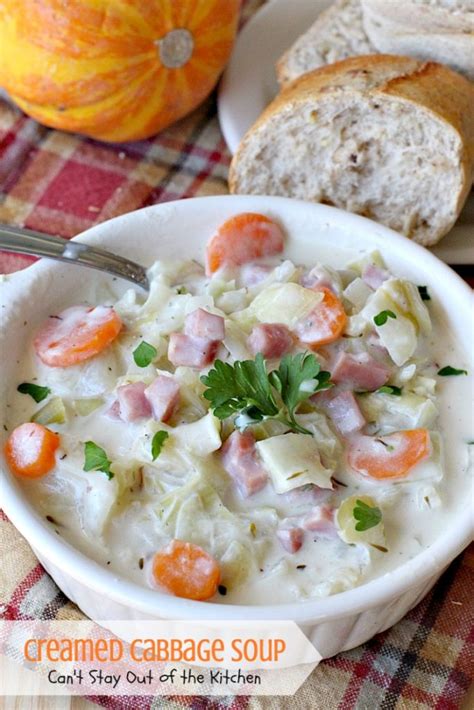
(189, 351)
(239, 458)
(345, 413)
(270, 339)
(374, 342)
(202, 324)
(316, 279)
(360, 372)
(163, 396)
(133, 404)
(374, 276)
(321, 521)
(291, 538)
(113, 411)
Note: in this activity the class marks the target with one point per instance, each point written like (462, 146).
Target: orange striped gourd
(116, 70)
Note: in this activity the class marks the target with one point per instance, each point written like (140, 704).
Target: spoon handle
(25, 241)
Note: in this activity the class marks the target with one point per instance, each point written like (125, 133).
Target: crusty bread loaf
(336, 34)
(388, 137)
(440, 30)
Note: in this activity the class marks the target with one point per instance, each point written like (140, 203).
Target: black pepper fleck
(222, 589)
(141, 562)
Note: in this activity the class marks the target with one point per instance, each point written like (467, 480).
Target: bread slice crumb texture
(357, 142)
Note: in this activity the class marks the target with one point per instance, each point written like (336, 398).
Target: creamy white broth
(131, 534)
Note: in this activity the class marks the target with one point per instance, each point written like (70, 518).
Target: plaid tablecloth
(62, 184)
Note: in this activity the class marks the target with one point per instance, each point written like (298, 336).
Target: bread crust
(435, 87)
(423, 30)
(428, 31)
(329, 28)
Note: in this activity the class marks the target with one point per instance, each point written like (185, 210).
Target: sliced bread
(388, 137)
(441, 30)
(438, 30)
(338, 33)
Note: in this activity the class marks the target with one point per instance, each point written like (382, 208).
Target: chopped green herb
(247, 389)
(157, 443)
(424, 295)
(144, 354)
(36, 391)
(449, 371)
(366, 515)
(382, 317)
(181, 290)
(390, 389)
(297, 379)
(95, 459)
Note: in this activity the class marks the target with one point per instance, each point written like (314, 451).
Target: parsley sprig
(36, 391)
(96, 459)
(247, 389)
(382, 317)
(390, 389)
(449, 371)
(158, 442)
(367, 516)
(144, 354)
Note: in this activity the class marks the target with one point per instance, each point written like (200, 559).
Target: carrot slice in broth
(243, 238)
(30, 450)
(186, 570)
(76, 334)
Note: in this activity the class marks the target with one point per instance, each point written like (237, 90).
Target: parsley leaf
(449, 371)
(390, 389)
(424, 295)
(95, 459)
(157, 443)
(298, 378)
(366, 515)
(243, 386)
(144, 354)
(248, 389)
(382, 317)
(36, 391)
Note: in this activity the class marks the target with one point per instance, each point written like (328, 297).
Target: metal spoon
(25, 241)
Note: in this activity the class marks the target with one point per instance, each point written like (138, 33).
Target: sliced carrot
(30, 450)
(76, 334)
(243, 238)
(186, 570)
(391, 456)
(325, 323)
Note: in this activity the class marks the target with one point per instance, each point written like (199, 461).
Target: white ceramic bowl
(180, 230)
